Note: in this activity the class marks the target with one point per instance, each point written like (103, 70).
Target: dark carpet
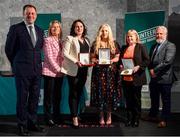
(89, 126)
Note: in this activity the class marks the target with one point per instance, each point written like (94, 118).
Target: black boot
(35, 127)
(128, 121)
(23, 131)
(50, 123)
(135, 121)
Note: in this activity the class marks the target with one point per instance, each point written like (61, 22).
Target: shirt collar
(27, 25)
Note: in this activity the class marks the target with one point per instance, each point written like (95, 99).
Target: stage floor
(89, 126)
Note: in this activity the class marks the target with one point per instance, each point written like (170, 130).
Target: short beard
(159, 41)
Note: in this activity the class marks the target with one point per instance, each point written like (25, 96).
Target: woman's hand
(94, 61)
(115, 59)
(136, 68)
(121, 67)
(78, 63)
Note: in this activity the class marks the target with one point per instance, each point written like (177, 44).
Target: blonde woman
(105, 82)
(132, 84)
(53, 77)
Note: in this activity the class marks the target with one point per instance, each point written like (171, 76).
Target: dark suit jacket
(25, 59)
(163, 63)
(141, 58)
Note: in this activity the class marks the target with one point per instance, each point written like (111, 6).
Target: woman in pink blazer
(53, 77)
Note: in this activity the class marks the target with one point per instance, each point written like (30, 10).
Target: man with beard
(162, 55)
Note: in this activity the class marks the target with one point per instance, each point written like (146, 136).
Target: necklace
(103, 44)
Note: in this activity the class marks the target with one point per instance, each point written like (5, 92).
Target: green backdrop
(145, 24)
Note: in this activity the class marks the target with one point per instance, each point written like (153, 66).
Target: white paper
(84, 58)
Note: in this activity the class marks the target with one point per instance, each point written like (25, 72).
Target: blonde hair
(133, 32)
(110, 42)
(50, 26)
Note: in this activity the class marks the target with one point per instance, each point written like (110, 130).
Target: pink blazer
(53, 57)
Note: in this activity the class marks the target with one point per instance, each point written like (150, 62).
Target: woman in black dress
(105, 82)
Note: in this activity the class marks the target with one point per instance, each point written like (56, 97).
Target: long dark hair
(72, 32)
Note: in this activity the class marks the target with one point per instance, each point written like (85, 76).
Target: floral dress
(106, 85)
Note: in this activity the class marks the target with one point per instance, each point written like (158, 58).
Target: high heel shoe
(101, 121)
(75, 122)
(135, 123)
(50, 123)
(162, 124)
(109, 121)
(128, 123)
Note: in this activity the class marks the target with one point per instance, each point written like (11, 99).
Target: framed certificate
(104, 56)
(128, 65)
(84, 58)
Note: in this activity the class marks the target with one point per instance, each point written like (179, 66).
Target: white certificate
(84, 58)
(128, 65)
(104, 56)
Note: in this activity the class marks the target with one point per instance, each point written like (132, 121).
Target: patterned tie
(32, 36)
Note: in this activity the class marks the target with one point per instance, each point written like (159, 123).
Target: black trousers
(133, 100)
(76, 85)
(28, 89)
(163, 90)
(52, 97)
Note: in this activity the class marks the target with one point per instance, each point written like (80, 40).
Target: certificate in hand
(104, 56)
(84, 58)
(128, 65)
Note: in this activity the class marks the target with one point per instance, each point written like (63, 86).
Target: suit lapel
(158, 51)
(55, 44)
(153, 51)
(28, 35)
(161, 47)
(135, 50)
(36, 35)
(26, 32)
(76, 43)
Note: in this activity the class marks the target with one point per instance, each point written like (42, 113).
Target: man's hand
(153, 75)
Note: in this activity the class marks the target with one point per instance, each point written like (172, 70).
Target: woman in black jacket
(132, 84)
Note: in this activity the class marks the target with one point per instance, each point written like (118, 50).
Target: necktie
(155, 51)
(32, 36)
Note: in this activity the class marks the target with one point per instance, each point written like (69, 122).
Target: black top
(84, 47)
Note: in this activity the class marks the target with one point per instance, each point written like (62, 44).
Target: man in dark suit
(162, 55)
(23, 49)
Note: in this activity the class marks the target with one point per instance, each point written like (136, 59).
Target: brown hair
(72, 31)
(28, 6)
